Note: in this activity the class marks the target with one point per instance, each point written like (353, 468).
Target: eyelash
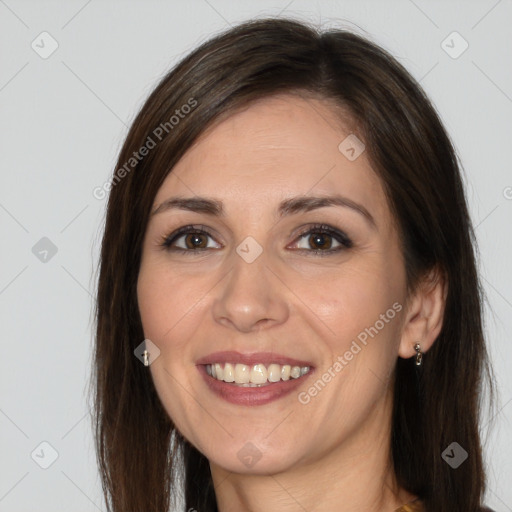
(323, 229)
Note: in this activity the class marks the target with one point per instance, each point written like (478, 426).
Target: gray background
(62, 121)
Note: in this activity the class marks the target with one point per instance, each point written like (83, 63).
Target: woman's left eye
(320, 239)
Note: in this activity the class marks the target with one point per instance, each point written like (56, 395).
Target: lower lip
(240, 395)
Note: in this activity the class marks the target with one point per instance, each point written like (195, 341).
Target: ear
(423, 318)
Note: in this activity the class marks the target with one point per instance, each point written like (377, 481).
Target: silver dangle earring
(419, 354)
(146, 359)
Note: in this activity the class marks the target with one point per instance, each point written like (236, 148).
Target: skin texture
(333, 453)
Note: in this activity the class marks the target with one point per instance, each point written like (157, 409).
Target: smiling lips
(252, 379)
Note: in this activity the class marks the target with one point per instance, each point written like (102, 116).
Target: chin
(252, 460)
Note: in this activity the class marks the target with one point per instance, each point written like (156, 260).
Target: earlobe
(424, 315)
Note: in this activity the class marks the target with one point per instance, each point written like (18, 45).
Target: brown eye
(195, 241)
(320, 239)
(189, 239)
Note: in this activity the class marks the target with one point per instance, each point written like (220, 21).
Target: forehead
(275, 148)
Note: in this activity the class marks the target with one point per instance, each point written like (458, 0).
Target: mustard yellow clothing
(413, 506)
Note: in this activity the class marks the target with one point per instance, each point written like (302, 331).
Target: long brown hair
(141, 455)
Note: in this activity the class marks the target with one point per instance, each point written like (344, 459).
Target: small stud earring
(146, 359)
(419, 354)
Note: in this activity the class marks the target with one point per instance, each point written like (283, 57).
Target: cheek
(164, 299)
(351, 299)
(153, 304)
(164, 302)
(357, 306)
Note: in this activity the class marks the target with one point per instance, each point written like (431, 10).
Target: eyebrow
(287, 207)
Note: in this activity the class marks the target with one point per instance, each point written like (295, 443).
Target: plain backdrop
(72, 76)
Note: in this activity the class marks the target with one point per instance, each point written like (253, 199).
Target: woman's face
(252, 284)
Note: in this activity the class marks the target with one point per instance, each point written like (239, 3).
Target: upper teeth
(256, 374)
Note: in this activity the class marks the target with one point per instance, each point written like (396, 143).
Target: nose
(250, 297)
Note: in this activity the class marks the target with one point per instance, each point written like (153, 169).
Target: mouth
(257, 375)
(252, 379)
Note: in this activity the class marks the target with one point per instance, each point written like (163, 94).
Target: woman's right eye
(188, 239)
